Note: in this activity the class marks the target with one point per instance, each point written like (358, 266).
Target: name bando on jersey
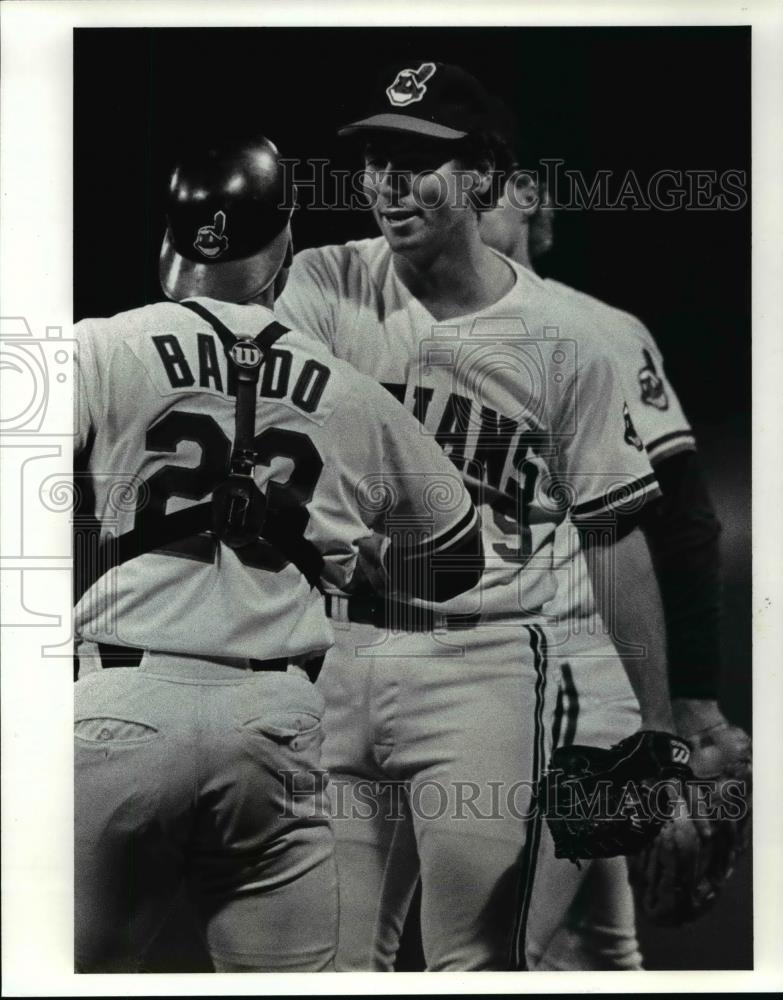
(522, 397)
(156, 415)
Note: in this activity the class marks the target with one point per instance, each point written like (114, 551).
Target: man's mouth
(398, 216)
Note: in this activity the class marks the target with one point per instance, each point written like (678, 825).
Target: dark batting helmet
(228, 213)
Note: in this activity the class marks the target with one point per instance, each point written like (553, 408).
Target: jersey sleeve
(601, 462)
(310, 299)
(655, 408)
(389, 476)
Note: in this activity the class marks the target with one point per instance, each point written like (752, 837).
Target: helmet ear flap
(282, 275)
(228, 213)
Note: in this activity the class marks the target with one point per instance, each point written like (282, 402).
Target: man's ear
(484, 184)
(485, 172)
(542, 226)
(524, 192)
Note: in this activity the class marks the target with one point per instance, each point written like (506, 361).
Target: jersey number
(517, 521)
(198, 481)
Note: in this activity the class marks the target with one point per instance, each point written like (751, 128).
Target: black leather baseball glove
(600, 803)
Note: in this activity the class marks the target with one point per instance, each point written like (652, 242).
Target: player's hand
(719, 750)
(693, 715)
(681, 875)
(370, 574)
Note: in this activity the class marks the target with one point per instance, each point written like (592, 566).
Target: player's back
(157, 411)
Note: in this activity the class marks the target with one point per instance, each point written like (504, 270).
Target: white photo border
(36, 161)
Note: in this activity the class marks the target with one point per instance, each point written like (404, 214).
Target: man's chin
(410, 236)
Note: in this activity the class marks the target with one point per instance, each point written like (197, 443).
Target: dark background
(617, 99)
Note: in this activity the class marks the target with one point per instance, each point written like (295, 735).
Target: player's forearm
(683, 534)
(439, 575)
(387, 566)
(628, 600)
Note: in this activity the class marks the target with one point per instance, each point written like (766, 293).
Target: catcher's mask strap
(239, 511)
(245, 357)
(238, 506)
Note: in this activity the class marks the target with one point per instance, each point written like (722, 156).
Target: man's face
(520, 226)
(501, 227)
(418, 190)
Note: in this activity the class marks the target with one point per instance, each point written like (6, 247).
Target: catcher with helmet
(198, 738)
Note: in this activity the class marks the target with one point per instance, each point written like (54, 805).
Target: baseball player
(237, 467)
(433, 767)
(596, 705)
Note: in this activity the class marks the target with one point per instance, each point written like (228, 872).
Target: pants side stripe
(572, 713)
(533, 837)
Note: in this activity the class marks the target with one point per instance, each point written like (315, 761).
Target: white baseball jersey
(156, 409)
(657, 416)
(522, 398)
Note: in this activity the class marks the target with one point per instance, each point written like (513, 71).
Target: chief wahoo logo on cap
(408, 85)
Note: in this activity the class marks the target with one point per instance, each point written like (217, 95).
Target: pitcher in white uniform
(445, 709)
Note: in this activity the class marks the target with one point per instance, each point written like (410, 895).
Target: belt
(394, 615)
(130, 656)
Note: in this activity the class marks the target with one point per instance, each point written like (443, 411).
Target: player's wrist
(694, 715)
(659, 720)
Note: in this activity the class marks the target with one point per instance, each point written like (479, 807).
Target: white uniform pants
(208, 774)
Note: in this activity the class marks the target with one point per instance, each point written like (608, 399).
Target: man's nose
(394, 182)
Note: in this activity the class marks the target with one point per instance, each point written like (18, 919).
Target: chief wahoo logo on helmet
(211, 240)
(409, 84)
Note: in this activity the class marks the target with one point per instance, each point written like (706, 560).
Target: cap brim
(390, 122)
(230, 281)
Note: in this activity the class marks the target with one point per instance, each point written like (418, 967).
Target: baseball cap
(434, 99)
(227, 213)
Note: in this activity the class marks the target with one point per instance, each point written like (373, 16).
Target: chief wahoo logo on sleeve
(211, 240)
(653, 390)
(631, 437)
(409, 86)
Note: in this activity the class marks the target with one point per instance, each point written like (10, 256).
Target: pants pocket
(284, 726)
(102, 730)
